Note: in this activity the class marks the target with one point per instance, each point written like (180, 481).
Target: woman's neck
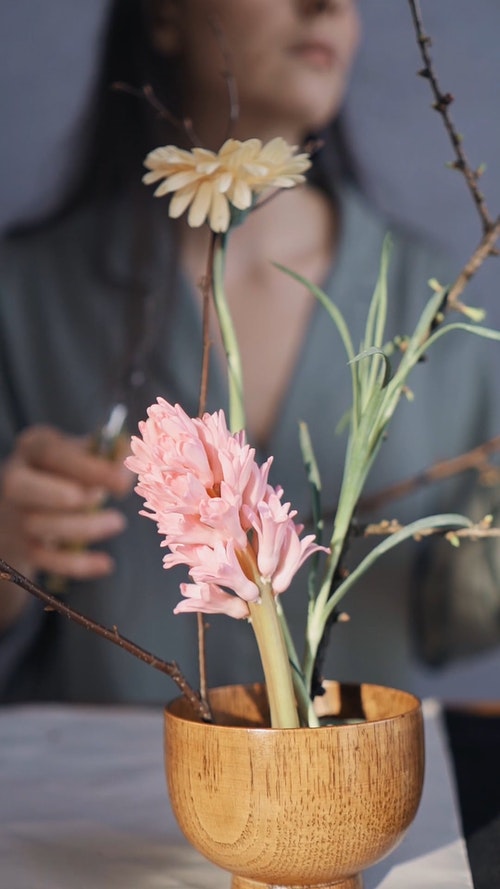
(274, 231)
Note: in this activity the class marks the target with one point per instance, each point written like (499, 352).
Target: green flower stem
(274, 656)
(305, 707)
(235, 373)
(266, 623)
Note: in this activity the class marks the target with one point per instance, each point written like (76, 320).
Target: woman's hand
(52, 491)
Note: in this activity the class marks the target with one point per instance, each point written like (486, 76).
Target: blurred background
(47, 64)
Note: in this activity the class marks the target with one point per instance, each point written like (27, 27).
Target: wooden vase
(296, 807)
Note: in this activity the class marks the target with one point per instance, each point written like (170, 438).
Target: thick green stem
(274, 656)
(305, 708)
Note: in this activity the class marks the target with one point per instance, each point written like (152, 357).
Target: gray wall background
(46, 70)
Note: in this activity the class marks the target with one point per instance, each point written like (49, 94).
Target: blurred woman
(100, 307)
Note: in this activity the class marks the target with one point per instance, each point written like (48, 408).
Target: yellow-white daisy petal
(181, 179)
(180, 201)
(224, 182)
(153, 176)
(200, 206)
(202, 154)
(208, 183)
(207, 168)
(277, 150)
(220, 215)
(162, 189)
(256, 171)
(241, 195)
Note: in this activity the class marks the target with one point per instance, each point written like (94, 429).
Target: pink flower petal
(210, 599)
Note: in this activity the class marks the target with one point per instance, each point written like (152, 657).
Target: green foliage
(379, 375)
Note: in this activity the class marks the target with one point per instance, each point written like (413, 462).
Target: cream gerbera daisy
(210, 183)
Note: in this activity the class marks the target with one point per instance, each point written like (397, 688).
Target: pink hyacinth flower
(216, 510)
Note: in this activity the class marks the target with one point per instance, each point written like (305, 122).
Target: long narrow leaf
(444, 520)
(377, 312)
(314, 480)
(334, 312)
(342, 328)
(367, 353)
(487, 333)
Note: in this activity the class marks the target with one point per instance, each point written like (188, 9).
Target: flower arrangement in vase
(354, 774)
(212, 503)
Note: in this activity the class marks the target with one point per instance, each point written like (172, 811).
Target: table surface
(83, 803)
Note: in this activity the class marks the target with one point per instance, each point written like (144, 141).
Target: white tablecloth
(83, 805)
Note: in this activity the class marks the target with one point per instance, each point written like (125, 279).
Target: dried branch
(184, 125)
(475, 532)
(52, 603)
(485, 248)
(442, 102)
(477, 458)
(206, 291)
(491, 228)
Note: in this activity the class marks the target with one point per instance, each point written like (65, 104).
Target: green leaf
(334, 312)
(314, 480)
(488, 333)
(340, 323)
(444, 520)
(377, 312)
(387, 364)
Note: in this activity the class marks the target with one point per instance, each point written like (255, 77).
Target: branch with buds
(442, 102)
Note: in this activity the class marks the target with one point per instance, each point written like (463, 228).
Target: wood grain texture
(296, 807)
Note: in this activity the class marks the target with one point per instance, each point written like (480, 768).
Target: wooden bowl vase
(296, 807)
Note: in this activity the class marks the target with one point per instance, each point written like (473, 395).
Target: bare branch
(206, 292)
(52, 603)
(485, 248)
(185, 126)
(477, 458)
(476, 532)
(442, 102)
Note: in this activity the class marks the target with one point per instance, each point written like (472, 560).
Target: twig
(52, 603)
(442, 103)
(385, 527)
(473, 459)
(484, 249)
(185, 125)
(206, 290)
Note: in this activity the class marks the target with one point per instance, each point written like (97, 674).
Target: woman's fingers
(52, 494)
(71, 563)
(30, 488)
(83, 528)
(48, 450)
